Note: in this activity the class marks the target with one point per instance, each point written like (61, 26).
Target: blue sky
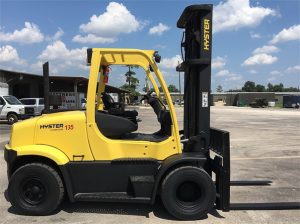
(252, 40)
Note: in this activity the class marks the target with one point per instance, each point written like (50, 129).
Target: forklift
(98, 155)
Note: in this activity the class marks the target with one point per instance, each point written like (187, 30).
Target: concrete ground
(265, 144)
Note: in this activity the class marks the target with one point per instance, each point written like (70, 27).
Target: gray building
(244, 98)
(72, 89)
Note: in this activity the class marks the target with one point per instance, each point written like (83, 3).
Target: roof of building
(108, 88)
(53, 77)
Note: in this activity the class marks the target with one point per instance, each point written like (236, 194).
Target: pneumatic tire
(12, 118)
(35, 189)
(188, 193)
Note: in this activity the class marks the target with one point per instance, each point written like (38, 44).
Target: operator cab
(116, 122)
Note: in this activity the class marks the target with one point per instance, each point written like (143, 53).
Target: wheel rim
(11, 119)
(188, 192)
(33, 191)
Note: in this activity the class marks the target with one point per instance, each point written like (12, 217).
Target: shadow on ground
(118, 209)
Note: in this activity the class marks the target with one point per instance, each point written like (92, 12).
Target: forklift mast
(196, 20)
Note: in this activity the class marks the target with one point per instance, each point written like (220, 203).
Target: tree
(291, 89)
(260, 88)
(275, 88)
(270, 87)
(249, 86)
(132, 82)
(172, 89)
(219, 89)
(278, 88)
(150, 90)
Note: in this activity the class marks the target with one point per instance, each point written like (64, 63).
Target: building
(72, 89)
(245, 98)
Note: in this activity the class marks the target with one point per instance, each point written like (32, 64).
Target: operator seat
(113, 126)
(117, 108)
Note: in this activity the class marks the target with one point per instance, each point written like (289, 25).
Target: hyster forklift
(97, 155)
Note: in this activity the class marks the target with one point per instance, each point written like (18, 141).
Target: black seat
(114, 126)
(117, 108)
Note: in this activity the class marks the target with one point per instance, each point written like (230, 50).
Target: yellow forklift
(98, 155)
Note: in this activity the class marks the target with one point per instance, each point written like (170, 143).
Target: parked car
(11, 109)
(33, 106)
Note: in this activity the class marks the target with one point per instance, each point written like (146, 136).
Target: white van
(33, 106)
(11, 109)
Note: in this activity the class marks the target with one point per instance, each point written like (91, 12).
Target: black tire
(35, 189)
(12, 118)
(188, 193)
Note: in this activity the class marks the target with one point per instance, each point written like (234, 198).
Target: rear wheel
(35, 189)
(12, 118)
(188, 193)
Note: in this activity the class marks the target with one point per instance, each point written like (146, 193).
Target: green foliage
(132, 82)
(219, 89)
(172, 89)
(250, 86)
(275, 88)
(133, 92)
(260, 88)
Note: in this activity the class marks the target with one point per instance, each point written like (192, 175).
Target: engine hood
(22, 132)
(28, 131)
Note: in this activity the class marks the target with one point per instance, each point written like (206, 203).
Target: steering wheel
(147, 96)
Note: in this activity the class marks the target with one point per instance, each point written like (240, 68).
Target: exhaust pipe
(46, 87)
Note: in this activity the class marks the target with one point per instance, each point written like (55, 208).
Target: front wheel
(12, 118)
(35, 189)
(188, 193)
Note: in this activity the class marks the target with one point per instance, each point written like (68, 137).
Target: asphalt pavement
(264, 146)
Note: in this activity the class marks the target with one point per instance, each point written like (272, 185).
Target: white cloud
(222, 73)
(229, 76)
(106, 27)
(9, 54)
(28, 35)
(159, 29)
(170, 63)
(234, 78)
(267, 49)
(93, 39)
(235, 14)
(218, 62)
(255, 35)
(252, 71)
(59, 33)
(61, 58)
(275, 72)
(58, 51)
(291, 33)
(260, 59)
(292, 69)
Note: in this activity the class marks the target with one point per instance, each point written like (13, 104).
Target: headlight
(22, 110)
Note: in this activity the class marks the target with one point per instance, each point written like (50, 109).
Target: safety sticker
(204, 99)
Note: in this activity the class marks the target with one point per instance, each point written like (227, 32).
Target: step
(110, 197)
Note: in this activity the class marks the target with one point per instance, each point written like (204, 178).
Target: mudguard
(49, 152)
